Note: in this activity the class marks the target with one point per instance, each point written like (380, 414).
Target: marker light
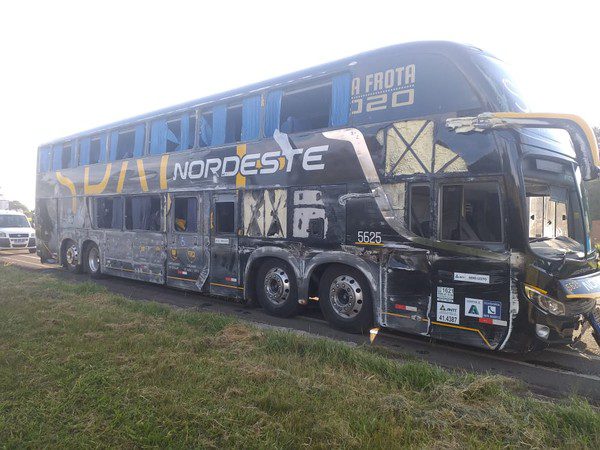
(546, 303)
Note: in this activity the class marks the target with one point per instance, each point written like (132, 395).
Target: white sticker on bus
(221, 241)
(472, 277)
(445, 293)
(448, 312)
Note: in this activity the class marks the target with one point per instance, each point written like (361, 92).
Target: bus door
(187, 264)
(471, 273)
(224, 259)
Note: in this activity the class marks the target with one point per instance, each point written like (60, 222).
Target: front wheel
(345, 299)
(276, 288)
(91, 261)
(32, 250)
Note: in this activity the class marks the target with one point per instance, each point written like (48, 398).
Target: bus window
(186, 214)
(173, 135)
(45, 159)
(205, 129)
(66, 156)
(471, 212)
(419, 211)
(143, 213)
(306, 109)
(109, 212)
(125, 144)
(233, 130)
(95, 150)
(224, 217)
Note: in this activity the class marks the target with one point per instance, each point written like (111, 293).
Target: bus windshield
(558, 224)
(13, 221)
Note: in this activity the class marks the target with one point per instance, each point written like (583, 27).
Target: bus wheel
(71, 258)
(91, 261)
(345, 299)
(276, 288)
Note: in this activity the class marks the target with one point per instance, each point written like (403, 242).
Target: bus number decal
(369, 237)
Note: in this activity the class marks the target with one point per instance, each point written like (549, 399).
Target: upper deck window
(173, 134)
(44, 159)
(127, 143)
(306, 109)
(205, 129)
(323, 104)
(233, 130)
(62, 157)
(91, 150)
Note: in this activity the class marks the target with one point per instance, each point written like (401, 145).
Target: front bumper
(7, 243)
(561, 327)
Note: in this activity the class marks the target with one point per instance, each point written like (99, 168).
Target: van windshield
(558, 225)
(14, 221)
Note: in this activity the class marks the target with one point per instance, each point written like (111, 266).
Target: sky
(67, 66)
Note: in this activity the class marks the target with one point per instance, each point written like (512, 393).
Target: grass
(81, 367)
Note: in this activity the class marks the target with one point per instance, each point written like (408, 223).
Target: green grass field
(81, 367)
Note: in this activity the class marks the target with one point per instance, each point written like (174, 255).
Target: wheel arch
(258, 256)
(317, 266)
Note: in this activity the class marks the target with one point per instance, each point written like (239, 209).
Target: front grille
(19, 235)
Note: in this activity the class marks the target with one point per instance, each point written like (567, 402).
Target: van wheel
(71, 257)
(345, 299)
(277, 289)
(91, 261)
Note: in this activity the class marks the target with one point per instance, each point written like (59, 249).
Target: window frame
(409, 187)
(198, 215)
(464, 181)
(95, 211)
(321, 82)
(216, 221)
(162, 213)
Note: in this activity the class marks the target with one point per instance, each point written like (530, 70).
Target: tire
(277, 288)
(345, 299)
(91, 261)
(71, 257)
(32, 250)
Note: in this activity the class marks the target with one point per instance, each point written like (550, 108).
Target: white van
(16, 231)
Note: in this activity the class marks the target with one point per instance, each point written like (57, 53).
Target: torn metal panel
(254, 213)
(276, 213)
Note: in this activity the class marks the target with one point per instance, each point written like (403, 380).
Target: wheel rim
(94, 260)
(277, 285)
(72, 255)
(346, 296)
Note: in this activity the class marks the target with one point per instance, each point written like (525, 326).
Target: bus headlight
(546, 303)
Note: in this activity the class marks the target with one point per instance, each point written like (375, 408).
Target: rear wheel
(91, 261)
(277, 289)
(345, 299)
(71, 257)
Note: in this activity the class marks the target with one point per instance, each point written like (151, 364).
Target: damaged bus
(407, 188)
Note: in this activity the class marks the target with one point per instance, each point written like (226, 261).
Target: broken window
(191, 124)
(109, 212)
(471, 212)
(173, 135)
(143, 213)
(205, 129)
(186, 214)
(305, 109)
(224, 217)
(65, 156)
(233, 130)
(265, 213)
(419, 212)
(95, 150)
(125, 144)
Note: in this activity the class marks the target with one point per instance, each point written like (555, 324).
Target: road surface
(554, 372)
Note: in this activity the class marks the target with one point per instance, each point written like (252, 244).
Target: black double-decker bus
(408, 188)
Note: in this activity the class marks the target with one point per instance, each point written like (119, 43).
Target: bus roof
(450, 49)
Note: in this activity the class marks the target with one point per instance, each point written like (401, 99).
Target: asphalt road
(554, 372)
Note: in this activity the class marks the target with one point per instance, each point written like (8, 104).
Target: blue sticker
(492, 309)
